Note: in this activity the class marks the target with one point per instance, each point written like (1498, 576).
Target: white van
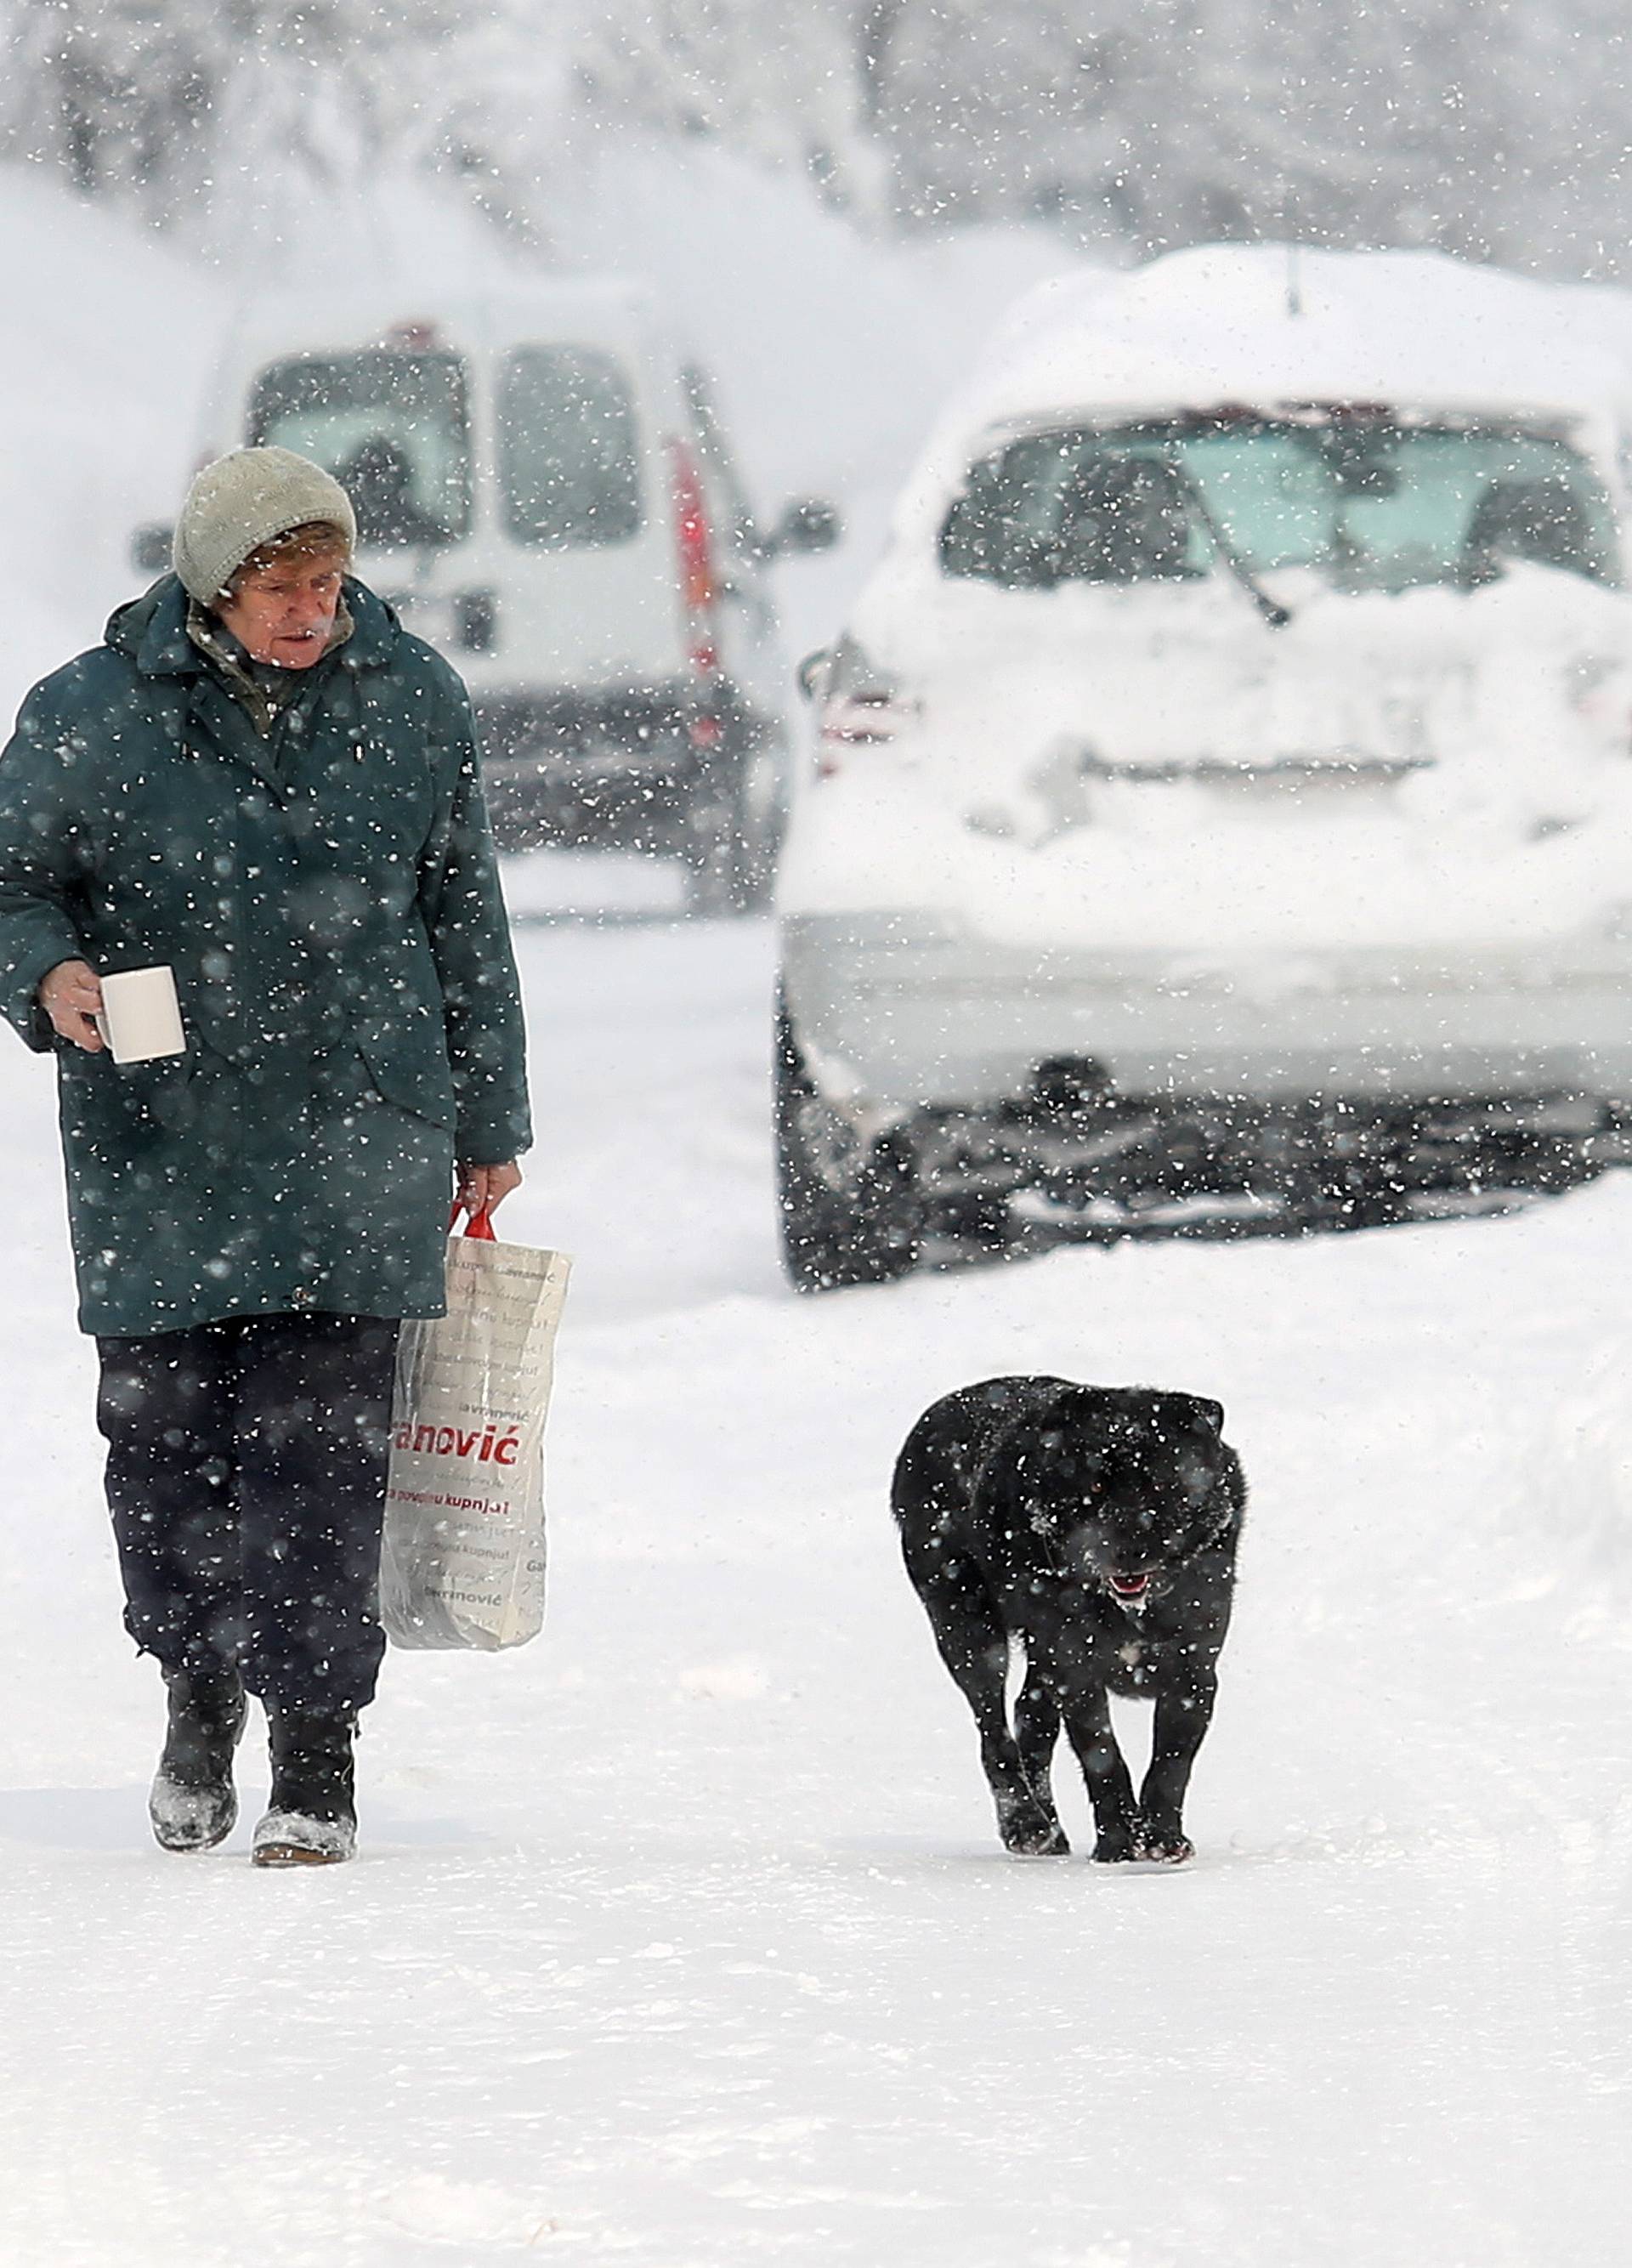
(544, 491)
(1224, 798)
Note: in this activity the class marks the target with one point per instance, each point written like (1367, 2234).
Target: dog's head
(1120, 1489)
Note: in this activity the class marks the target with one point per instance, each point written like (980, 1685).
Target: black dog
(1098, 1525)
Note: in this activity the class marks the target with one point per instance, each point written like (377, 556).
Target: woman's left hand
(483, 1188)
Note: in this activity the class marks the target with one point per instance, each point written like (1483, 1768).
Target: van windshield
(569, 456)
(1367, 503)
(391, 426)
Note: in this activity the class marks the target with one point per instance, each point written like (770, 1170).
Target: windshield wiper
(1276, 615)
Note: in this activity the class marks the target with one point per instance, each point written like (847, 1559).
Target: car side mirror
(149, 549)
(806, 525)
(815, 674)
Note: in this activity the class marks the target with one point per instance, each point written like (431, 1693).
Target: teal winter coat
(327, 895)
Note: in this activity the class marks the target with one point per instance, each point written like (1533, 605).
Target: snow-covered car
(1224, 790)
(544, 489)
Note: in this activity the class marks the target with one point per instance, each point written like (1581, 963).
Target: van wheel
(850, 1209)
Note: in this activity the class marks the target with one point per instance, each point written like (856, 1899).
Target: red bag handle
(480, 1224)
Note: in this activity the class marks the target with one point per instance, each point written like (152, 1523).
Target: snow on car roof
(1276, 323)
(1272, 325)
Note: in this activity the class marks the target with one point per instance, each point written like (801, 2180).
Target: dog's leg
(1036, 1729)
(1110, 1790)
(1184, 1710)
(974, 1646)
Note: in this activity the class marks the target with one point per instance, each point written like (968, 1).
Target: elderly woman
(262, 783)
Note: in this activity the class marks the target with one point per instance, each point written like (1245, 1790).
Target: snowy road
(683, 1939)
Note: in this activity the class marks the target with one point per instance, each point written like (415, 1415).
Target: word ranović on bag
(450, 1441)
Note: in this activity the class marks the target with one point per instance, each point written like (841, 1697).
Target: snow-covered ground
(682, 1938)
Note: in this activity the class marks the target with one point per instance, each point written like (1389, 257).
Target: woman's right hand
(70, 994)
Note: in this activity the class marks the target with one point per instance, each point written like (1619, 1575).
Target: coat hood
(152, 631)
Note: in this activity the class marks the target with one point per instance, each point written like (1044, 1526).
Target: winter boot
(311, 1820)
(192, 1803)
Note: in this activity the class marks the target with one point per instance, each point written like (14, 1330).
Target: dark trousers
(247, 1478)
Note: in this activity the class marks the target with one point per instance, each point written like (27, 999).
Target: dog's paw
(1114, 1847)
(1163, 1848)
(1035, 1836)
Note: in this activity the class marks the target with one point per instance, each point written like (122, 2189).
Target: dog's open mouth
(1129, 1587)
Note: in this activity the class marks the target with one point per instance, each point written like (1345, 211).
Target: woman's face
(284, 612)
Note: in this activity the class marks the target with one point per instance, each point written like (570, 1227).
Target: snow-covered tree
(204, 115)
(1499, 129)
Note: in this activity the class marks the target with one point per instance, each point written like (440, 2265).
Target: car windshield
(1368, 502)
(568, 457)
(391, 426)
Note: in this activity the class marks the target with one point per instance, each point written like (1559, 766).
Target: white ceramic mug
(141, 1018)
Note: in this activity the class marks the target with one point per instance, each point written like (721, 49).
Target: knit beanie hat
(241, 502)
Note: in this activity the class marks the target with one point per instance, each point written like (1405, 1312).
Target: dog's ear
(1210, 1413)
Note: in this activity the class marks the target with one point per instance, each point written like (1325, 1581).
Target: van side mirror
(815, 674)
(806, 525)
(149, 549)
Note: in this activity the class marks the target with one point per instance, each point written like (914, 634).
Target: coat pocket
(413, 1073)
(167, 1091)
(98, 1092)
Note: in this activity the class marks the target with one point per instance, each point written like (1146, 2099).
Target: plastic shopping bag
(462, 1558)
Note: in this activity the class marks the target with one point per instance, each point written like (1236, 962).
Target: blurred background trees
(1496, 130)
